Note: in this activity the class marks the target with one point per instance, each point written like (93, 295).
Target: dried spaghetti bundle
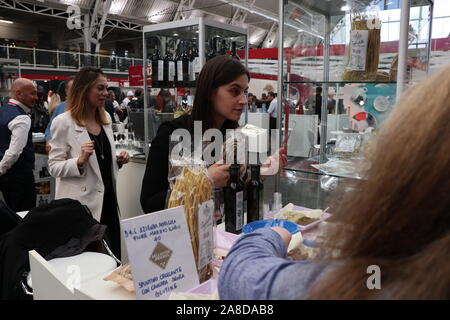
(190, 187)
(372, 54)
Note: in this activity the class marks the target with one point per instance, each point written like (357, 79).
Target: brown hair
(78, 96)
(217, 72)
(399, 216)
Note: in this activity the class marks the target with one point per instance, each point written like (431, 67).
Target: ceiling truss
(62, 14)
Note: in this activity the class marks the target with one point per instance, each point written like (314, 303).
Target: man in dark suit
(16, 147)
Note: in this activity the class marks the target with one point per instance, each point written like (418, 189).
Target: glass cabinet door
(340, 71)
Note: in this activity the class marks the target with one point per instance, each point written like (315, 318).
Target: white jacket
(88, 188)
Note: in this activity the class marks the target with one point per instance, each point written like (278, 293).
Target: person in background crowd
(331, 104)
(49, 95)
(112, 97)
(109, 107)
(55, 100)
(59, 109)
(39, 113)
(16, 147)
(219, 101)
(127, 99)
(400, 191)
(115, 106)
(134, 101)
(257, 102)
(264, 103)
(151, 102)
(264, 97)
(314, 101)
(250, 102)
(165, 101)
(83, 156)
(272, 111)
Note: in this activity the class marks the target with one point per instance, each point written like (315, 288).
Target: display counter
(99, 289)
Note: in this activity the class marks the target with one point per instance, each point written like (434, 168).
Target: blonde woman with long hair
(55, 100)
(394, 224)
(83, 155)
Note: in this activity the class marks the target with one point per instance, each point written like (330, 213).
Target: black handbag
(8, 218)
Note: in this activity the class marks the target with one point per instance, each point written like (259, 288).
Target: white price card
(205, 233)
(358, 50)
(160, 253)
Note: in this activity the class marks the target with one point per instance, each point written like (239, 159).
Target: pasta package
(191, 187)
(364, 51)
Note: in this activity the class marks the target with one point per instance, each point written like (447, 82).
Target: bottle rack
(184, 45)
(176, 51)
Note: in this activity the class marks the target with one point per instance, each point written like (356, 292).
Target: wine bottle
(196, 62)
(157, 68)
(212, 49)
(178, 67)
(185, 61)
(233, 51)
(255, 195)
(234, 202)
(191, 66)
(223, 49)
(169, 69)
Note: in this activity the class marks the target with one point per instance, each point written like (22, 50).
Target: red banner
(135, 76)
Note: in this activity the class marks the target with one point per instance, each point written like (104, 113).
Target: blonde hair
(399, 217)
(54, 101)
(78, 96)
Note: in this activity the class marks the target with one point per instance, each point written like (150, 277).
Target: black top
(155, 183)
(109, 215)
(102, 147)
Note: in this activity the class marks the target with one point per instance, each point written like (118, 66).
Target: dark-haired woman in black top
(219, 101)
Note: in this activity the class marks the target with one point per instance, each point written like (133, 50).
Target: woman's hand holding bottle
(219, 173)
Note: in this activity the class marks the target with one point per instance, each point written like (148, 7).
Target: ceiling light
(6, 21)
(345, 8)
(175, 34)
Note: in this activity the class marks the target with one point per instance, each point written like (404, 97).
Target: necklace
(100, 143)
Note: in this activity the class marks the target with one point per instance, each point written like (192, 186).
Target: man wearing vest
(16, 147)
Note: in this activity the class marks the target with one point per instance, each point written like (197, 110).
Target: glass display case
(9, 71)
(174, 54)
(341, 76)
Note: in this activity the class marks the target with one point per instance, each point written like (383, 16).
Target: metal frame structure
(42, 9)
(185, 5)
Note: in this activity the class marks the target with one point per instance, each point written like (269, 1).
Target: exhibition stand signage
(160, 253)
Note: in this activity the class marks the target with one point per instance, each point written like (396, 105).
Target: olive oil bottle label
(160, 70)
(180, 70)
(171, 70)
(239, 210)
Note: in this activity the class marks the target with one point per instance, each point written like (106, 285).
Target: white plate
(381, 103)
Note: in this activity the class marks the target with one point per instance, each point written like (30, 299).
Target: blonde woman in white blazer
(82, 156)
